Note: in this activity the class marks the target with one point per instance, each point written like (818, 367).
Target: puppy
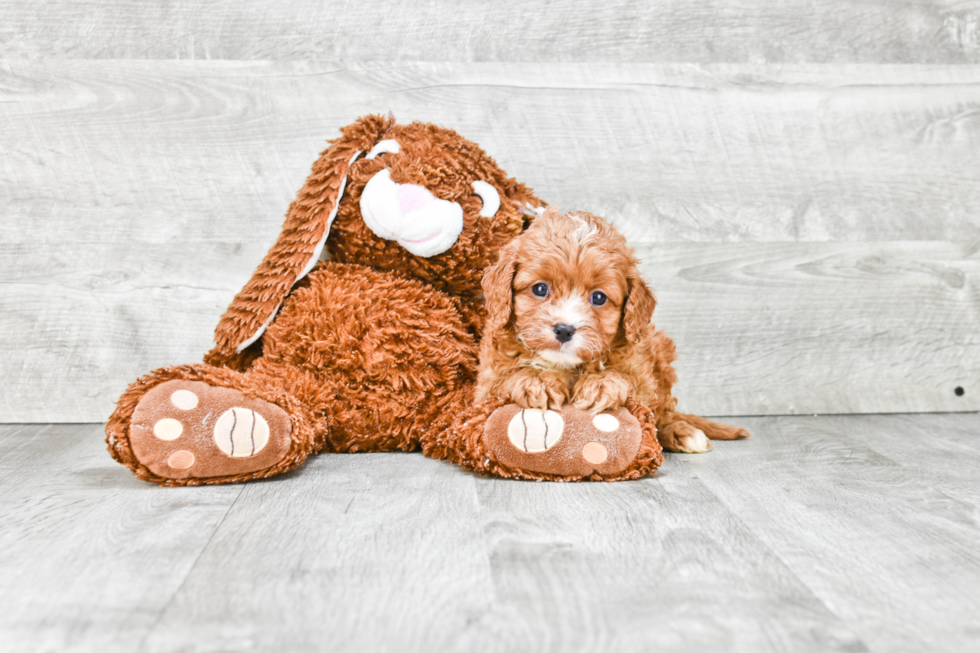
(568, 320)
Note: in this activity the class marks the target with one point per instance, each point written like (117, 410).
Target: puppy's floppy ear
(301, 242)
(498, 293)
(640, 303)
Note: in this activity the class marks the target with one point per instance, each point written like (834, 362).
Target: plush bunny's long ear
(498, 293)
(301, 242)
(640, 303)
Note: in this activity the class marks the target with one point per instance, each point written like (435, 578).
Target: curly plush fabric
(376, 357)
(374, 351)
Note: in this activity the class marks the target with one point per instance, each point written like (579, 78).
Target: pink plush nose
(412, 198)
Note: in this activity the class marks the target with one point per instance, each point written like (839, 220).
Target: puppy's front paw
(599, 392)
(542, 391)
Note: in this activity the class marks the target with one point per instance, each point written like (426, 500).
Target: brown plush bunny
(374, 351)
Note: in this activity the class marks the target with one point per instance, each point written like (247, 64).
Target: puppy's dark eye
(598, 298)
(539, 290)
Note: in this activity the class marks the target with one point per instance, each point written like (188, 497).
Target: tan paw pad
(595, 453)
(184, 399)
(533, 430)
(241, 432)
(168, 429)
(605, 422)
(181, 459)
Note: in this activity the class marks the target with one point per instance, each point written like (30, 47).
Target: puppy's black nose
(564, 332)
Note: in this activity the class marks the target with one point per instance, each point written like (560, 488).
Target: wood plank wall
(802, 179)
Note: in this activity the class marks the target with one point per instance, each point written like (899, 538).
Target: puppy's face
(570, 285)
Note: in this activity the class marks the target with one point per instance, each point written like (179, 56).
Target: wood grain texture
(175, 152)
(852, 533)
(90, 556)
(948, 437)
(664, 566)
(137, 197)
(790, 328)
(866, 527)
(943, 31)
(764, 328)
(86, 322)
(354, 553)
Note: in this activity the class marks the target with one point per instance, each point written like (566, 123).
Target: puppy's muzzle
(564, 332)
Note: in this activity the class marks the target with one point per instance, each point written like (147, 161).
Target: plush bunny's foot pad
(188, 429)
(568, 443)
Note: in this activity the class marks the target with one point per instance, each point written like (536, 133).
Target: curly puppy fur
(568, 319)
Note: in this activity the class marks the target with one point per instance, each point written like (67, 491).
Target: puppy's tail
(715, 430)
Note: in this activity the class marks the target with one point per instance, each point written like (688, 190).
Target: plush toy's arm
(300, 243)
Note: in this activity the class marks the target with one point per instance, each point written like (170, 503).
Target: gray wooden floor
(820, 533)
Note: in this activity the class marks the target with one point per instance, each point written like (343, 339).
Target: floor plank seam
(789, 570)
(190, 571)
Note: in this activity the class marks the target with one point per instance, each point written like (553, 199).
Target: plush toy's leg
(196, 424)
(356, 360)
(566, 445)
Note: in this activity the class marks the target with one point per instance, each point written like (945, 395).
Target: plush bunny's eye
(490, 197)
(598, 298)
(539, 289)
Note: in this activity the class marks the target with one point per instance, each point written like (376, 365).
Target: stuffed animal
(377, 348)
(372, 351)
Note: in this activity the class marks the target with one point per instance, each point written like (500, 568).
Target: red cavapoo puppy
(568, 320)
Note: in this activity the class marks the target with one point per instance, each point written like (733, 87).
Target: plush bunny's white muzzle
(410, 215)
